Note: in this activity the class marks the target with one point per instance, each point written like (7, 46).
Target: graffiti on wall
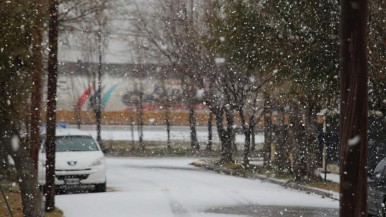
(154, 97)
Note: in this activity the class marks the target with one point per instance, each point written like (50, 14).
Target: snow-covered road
(167, 187)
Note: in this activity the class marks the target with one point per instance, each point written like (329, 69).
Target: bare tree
(88, 21)
(80, 85)
(172, 32)
(138, 102)
(166, 98)
(246, 91)
(219, 100)
(53, 33)
(84, 21)
(101, 35)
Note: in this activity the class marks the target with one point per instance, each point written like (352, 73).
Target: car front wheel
(100, 187)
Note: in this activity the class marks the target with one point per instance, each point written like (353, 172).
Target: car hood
(76, 160)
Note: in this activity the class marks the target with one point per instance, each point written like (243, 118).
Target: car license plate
(72, 181)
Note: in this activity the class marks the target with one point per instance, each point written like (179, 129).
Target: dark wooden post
(51, 104)
(353, 111)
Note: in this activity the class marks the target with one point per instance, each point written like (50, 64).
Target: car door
(377, 187)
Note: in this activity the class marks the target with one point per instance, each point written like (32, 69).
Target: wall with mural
(120, 92)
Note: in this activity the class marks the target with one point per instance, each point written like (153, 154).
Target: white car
(79, 162)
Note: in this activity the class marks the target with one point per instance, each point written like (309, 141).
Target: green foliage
(298, 39)
(311, 29)
(14, 28)
(15, 44)
(8, 175)
(238, 33)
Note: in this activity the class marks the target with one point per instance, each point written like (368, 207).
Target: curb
(286, 184)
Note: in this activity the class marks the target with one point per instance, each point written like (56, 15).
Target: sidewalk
(263, 178)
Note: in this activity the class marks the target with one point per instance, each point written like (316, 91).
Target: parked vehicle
(79, 162)
(377, 166)
(377, 189)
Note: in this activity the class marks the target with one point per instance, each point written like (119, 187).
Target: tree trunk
(227, 137)
(247, 134)
(298, 130)
(210, 132)
(312, 146)
(253, 140)
(226, 154)
(167, 122)
(26, 171)
(193, 133)
(51, 104)
(27, 176)
(283, 162)
(132, 130)
(140, 119)
(98, 119)
(247, 146)
(98, 104)
(78, 116)
(36, 93)
(218, 113)
(282, 150)
(353, 108)
(267, 131)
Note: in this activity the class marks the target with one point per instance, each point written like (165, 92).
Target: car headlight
(98, 162)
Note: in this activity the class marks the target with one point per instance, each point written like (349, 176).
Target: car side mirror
(105, 150)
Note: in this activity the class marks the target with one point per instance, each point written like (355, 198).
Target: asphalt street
(284, 211)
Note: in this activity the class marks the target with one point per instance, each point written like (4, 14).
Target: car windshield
(75, 143)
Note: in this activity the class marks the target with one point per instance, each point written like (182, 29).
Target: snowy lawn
(158, 133)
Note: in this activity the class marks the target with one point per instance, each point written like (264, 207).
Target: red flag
(82, 99)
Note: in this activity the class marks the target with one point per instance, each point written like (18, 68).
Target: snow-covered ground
(332, 177)
(164, 187)
(167, 187)
(178, 133)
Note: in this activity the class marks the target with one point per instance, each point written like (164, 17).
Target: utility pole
(353, 110)
(51, 104)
